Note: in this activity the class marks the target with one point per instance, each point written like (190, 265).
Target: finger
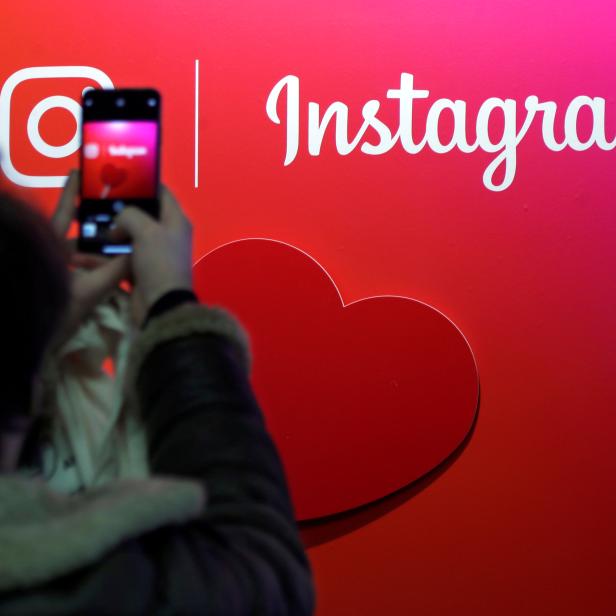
(65, 210)
(87, 261)
(110, 274)
(84, 260)
(132, 221)
(171, 213)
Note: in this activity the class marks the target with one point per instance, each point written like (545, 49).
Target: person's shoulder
(189, 320)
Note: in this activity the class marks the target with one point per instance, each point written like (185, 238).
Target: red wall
(521, 522)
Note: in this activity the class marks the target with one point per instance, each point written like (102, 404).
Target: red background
(361, 399)
(522, 522)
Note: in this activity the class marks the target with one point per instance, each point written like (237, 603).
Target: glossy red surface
(522, 522)
(361, 399)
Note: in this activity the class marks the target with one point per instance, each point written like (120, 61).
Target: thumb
(131, 222)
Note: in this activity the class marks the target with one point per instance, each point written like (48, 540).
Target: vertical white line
(196, 123)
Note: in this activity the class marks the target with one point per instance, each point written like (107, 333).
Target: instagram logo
(25, 100)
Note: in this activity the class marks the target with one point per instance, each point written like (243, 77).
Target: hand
(162, 251)
(97, 275)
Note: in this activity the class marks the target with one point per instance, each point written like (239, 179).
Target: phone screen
(119, 162)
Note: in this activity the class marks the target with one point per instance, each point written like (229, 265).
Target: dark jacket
(242, 555)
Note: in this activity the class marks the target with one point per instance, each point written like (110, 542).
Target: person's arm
(244, 556)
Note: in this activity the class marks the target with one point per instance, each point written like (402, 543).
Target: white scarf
(96, 436)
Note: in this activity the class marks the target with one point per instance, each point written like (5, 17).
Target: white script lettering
(505, 147)
(128, 151)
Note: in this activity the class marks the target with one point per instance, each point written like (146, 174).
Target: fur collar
(45, 534)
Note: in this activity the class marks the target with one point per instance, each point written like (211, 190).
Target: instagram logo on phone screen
(40, 122)
(119, 159)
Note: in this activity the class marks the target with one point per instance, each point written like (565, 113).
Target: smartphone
(120, 162)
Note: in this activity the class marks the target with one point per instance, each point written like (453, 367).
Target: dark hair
(34, 295)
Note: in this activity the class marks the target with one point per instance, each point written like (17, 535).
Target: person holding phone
(212, 531)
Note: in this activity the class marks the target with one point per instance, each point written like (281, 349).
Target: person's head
(34, 292)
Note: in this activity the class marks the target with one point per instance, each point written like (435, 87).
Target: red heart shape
(361, 399)
(113, 176)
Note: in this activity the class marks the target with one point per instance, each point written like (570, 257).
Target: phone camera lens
(151, 102)
(120, 102)
(88, 102)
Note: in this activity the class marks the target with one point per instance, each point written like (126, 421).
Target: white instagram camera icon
(43, 72)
